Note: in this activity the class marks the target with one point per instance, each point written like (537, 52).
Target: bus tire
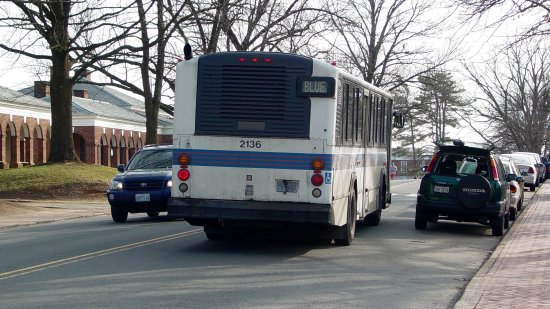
(346, 233)
(373, 218)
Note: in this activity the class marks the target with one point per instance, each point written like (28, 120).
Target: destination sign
(316, 87)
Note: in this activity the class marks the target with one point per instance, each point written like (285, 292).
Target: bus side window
(350, 122)
(383, 122)
(371, 119)
(339, 115)
(359, 111)
(366, 122)
(376, 120)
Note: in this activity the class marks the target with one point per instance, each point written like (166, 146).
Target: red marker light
(184, 174)
(242, 59)
(317, 179)
(268, 60)
(254, 59)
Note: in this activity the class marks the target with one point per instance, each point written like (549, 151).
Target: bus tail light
(184, 174)
(184, 159)
(317, 179)
(317, 164)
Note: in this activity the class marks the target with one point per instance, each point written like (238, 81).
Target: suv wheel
(498, 226)
(532, 187)
(118, 215)
(507, 220)
(420, 220)
(215, 233)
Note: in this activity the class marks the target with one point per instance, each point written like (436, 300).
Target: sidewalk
(517, 275)
(51, 211)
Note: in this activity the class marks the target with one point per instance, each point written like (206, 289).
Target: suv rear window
(454, 165)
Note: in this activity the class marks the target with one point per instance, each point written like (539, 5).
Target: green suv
(465, 182)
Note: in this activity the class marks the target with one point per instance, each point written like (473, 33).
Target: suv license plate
(143, 197)
(441, 189)
(287, 186)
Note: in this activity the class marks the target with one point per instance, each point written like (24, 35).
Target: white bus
(273, 139)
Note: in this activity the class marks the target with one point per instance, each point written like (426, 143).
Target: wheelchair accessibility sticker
(328, 178)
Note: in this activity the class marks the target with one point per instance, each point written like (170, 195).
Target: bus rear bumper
(205, 212)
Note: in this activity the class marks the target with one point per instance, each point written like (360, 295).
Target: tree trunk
(62, 146)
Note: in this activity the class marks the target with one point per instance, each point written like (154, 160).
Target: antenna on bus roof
(187, 52)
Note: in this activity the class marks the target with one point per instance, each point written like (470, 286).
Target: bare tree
(538, 12)
(148, 60)
(263, 25)
(384, 41)
(516, 93)
(60, 32)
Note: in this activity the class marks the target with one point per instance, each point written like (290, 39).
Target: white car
(541, 169)
(517, 182)
(527, 168)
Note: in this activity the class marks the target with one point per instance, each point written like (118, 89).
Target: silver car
(527, 168)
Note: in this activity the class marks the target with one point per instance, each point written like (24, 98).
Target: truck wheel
(118, 215)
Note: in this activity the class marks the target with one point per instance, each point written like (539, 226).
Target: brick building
(108, 125)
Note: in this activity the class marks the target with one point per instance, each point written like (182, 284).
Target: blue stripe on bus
(247, 159)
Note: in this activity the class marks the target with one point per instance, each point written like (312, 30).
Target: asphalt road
(145, 263)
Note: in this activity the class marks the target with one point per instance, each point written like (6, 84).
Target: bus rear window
(249, 98)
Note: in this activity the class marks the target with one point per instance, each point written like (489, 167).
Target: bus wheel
(373, 218)
(345, 234)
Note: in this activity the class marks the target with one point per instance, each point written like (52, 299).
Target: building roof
(11, 96)
(105, 101)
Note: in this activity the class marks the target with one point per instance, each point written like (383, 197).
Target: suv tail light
(513, 189)
(494, 170)
(432, 163)
(531, 170)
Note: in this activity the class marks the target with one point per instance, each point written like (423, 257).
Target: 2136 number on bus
(252, 144)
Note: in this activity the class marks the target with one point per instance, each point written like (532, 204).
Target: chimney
(41, 89)
(81, 93)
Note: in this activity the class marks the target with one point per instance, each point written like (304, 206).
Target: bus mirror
(398, 120)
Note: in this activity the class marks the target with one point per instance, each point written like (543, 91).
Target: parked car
(142, 186)
(527, 168)
(464, 182)
(516, 185)
(541, 169)
(547, 165)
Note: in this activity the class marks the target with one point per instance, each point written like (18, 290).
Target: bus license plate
(287, 186)
(441, 189)
(143, 197)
